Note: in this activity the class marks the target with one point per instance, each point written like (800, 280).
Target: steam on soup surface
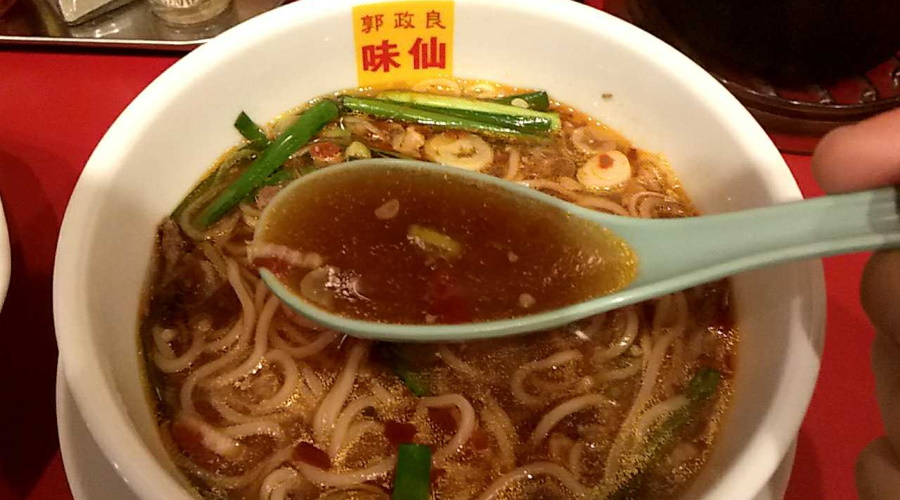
(256, 402)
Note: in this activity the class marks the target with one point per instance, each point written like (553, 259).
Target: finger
(878, 471)
(885, 354)
(879, 292)
(860, 156)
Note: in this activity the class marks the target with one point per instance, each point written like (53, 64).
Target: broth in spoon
(422, 247)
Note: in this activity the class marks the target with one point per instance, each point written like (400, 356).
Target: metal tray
(131, 26)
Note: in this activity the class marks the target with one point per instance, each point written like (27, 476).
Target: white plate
(91, 477)
(5, 262)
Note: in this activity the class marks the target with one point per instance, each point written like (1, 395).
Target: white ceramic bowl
(181, 123)
(5, 262)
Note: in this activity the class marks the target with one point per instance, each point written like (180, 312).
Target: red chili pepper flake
(309, 454)
(606, 161)
(190, 441)
(398, 433)
(186, 437)
(325, 149)
(446, 300)
(325, 152)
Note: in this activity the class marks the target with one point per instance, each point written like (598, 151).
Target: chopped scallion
(397, 111)
(415, 381)
(479, 107)
(701, 387)
(412, 478)
(526, 124)
(210, 181)
(251, 131)
(294, 137)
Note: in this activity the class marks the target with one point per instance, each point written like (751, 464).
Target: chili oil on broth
(255, 402)
(418, 247)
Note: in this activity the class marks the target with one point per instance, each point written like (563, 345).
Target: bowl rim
(5, 256)
(94, 393)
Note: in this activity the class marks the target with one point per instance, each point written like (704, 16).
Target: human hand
(864, 156)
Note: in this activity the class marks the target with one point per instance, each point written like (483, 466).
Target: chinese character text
(372, 23)
(380, 57)
(433, 20)
(403, 20)
(429, 54)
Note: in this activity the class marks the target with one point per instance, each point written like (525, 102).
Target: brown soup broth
(254, 402)
(510, 256)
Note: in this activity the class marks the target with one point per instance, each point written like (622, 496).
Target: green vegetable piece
(470, 105)
(294, 137)
(396, 111)
(209, 182)
(412, 477)
(394, 356)
(702, 386)
(434, 242)
(251, 131)
(538, 101)
(414, 381)
(357, 149)
(528, 124)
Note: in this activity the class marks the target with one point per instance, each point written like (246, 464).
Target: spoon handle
(710, 247)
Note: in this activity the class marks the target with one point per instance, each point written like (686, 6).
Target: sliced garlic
(443, 86)
(592, 139)
(605, 170)
(389, 210)
(483, 90)
(526, 300)
(362, 127)
(520, 103)
(459, 149)
(409, 142)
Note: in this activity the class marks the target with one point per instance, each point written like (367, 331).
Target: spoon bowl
(672, 254)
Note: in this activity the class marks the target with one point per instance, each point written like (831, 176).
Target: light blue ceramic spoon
(673, 254)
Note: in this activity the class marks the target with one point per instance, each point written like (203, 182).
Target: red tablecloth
(55, 106)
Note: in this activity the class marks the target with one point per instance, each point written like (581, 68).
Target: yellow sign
(403, 41)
